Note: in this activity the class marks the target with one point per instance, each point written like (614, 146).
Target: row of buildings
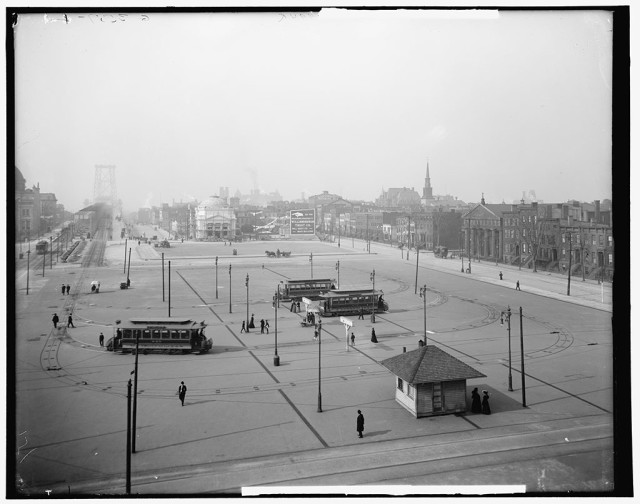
(553, 237)
(36, 212)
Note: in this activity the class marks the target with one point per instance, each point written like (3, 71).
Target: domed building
(215, 220)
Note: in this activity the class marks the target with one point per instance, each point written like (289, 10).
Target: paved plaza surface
(249, 423)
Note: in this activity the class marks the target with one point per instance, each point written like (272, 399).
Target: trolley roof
(343, 293)
(309, 280)
(161, 321)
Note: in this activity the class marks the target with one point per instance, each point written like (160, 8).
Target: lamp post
(216, 277)
(246, 283)
(229, 288)
(311, 261)
(169, 288)
(338, 270)
(569, 276)
(507, 314)
(319, 365)
(461, 242)
(524, 398)
(372, 276)
(57, 248)
(28, 256)
(128, 458)
(51, 252)
(125, 257)
(163, 277)
(423, 295)
(276, 357)
(469, 244)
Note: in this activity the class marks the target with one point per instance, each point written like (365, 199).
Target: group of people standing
(65, 288)
(480, 405)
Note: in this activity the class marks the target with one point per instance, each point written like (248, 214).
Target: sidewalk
(553, 285)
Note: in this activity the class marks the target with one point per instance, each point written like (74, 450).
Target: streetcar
(42, 247)
(351, 302)
(168, 334)
(311, 288)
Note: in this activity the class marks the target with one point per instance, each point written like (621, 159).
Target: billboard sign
(303, 222)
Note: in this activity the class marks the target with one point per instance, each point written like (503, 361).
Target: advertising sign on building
(303, 222)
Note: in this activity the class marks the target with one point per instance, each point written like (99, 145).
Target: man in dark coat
(63, 287)
(70, 321)
(360, 423)
(55, 320)
(261, 326)
(476, 406)
(373, 336)
(182, 392)
(68, 289)
(101, 339)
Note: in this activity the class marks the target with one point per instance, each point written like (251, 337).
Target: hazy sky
(345, 101)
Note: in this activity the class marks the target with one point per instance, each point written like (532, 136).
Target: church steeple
(427, 191)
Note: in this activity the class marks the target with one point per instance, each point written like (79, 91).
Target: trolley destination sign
(303, 222)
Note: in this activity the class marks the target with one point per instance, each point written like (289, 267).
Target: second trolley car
(169, 334)
(309, 288)
(351, 302)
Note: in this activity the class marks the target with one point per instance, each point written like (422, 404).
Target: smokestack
(597, 203)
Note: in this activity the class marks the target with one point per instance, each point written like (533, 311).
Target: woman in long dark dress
(485, 403)
(476, 405)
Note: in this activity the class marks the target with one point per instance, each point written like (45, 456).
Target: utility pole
(135, 394)
(163, 277)
(216, 277)
(311, 262)
(246, 283)
(124, 270)
(417, 258)
(373, 296)
(169, 288)
(569, 276)
(229, 288)
(338, 270)
(319, 365)
(524, 399)
(128, 464)
(508, 315)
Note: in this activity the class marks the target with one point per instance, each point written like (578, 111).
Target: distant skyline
(351, 102)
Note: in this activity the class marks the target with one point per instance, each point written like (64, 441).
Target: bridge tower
(104, 187)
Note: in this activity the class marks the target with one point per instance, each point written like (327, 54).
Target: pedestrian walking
(251, 324)
(55, 320)
(261, 326)
(182, 392)
(68, 289)
(101, 339)
(243, 329)
(63, 287)
(70, 322)
(266, 325)
(353, 339)
(517, 284)
(485, 403)
(360, 423)
(476, 406)
(361, 315)
(373, 336)
(315, 335)
(501, 275)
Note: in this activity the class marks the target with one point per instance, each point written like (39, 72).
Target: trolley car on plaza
(168, 334)
(351, 302)
(311, 288)
(42, 246)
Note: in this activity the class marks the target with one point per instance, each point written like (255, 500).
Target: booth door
(438, 400)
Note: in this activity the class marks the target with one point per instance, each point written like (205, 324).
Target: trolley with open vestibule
(310, 288)
(42, 247)
(168, 334)
(352, 302)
